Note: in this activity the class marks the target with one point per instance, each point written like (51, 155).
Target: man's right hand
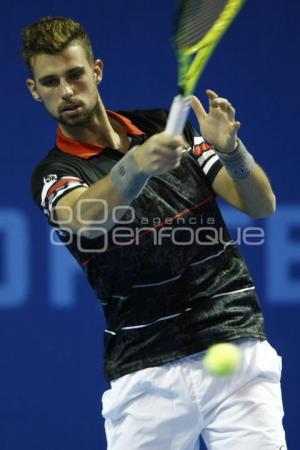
(159, 153)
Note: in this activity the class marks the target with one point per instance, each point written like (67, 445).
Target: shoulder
(55, 160)
(55, 174)
(148, 120)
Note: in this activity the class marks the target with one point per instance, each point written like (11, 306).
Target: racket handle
(178, 114)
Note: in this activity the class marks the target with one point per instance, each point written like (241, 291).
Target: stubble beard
(83, 119)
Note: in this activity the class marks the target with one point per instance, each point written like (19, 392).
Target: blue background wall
(50, 323)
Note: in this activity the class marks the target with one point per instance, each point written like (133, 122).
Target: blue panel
(283, 250)
(15, 258)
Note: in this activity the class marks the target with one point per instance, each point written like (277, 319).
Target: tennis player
(136, 207)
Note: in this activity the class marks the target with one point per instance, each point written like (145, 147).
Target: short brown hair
(52, 35)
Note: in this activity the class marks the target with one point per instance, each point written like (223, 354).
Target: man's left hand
(218, 126)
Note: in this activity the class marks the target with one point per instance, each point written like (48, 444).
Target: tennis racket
(200, 24)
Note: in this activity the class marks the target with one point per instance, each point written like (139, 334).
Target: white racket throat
(178, 114)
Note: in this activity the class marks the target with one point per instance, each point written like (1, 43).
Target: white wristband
(126, 177)
(238, 163)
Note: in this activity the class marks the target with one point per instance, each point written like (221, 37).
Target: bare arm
(92, 207)
(96, 203)
(252, 194)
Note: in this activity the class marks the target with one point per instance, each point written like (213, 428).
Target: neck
(102, 130)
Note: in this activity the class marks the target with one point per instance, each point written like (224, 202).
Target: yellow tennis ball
(222, 359)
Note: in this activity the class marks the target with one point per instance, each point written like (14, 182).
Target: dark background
(50, 322)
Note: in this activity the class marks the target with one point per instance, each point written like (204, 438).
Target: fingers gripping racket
(200, 25)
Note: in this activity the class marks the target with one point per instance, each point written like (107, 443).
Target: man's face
(67, 85)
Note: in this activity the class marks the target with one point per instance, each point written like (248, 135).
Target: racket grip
(178, 114)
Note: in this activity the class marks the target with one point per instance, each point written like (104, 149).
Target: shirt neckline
(86, 150)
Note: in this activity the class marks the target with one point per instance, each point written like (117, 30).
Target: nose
(67, 90)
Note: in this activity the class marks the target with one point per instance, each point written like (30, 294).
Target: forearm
(96, 209)
(241, 181)
(96, 206)
(244, 184)
(255, 193)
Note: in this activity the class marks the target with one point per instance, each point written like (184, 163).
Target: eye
(75, 75)
(51, 82)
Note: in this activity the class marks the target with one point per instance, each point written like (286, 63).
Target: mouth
(72, 109)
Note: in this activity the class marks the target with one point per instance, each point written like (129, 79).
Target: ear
(30, 83)
(98, 70)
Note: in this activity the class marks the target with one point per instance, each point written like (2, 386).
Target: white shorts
(168, 407)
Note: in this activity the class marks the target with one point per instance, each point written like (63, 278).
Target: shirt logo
(50, 178)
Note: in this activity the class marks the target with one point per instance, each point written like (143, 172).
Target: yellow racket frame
(189, 72)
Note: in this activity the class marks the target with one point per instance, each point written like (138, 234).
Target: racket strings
(200, 26)
(196, 17)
